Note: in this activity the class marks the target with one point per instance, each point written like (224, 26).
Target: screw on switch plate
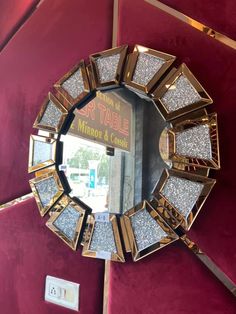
(62, 292)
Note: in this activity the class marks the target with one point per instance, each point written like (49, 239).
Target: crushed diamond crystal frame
(150, 74)
(133, 79)
(70, 237)
(55, 114)
(161, 237)
(177, 93)
(208, 121)
(110, 219)
(174, 204)
(116, 76)
(46, 198)
(77, 78)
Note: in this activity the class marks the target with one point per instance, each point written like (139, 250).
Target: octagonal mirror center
(111, 152)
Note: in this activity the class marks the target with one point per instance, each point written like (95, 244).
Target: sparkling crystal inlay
(180, 94)
(46, 189)
(107, 67)
(103, 238)
(74, 85)
(67, 221)
(146, 230)
(194, 142)
(182, 194)
(146, 67)
(51, 116)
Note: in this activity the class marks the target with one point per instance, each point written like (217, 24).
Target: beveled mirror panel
(111, 152)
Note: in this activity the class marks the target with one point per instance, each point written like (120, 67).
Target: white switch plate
(62, 292)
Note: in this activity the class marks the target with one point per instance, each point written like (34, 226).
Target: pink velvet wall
(57, 35)
(13, 14)
(173, 280)
(29, 252)
(217, 14)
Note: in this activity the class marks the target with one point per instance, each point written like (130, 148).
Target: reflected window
(108, 164)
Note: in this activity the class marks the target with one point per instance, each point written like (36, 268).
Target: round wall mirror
(123, 152)
(111, 152)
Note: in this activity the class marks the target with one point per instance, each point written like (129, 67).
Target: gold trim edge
(194, 23)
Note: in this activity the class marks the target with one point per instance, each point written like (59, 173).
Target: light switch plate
(62, 292)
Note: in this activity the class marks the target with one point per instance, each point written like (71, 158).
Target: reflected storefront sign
(106, 119)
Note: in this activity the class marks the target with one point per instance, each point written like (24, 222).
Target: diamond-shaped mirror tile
(107, 67)
(180, 94)
(194, 142)
(74, 85)
(146, 67)
(103, 238)
(46, 189)
(51, 116)
(67, 221)
(182, 194)
(41, 152)
(146, 230)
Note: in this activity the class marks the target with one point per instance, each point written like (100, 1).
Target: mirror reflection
(111, 152)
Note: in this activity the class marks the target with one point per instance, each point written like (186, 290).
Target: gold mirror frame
(163, 213)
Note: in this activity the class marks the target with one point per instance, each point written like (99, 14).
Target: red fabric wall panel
(13, 14)
(28, 252)
(172, 280)
(56, 36)
(217, 14)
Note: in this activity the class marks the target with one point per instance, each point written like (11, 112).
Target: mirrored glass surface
(111, 152)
